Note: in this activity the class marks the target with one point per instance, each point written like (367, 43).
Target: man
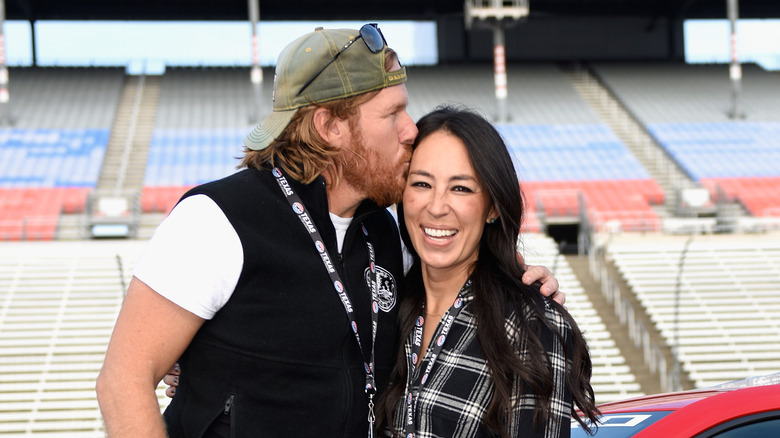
(276, 288)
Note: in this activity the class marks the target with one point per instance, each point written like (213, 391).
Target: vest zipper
(229, 403)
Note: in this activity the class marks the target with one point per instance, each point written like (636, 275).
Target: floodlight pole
(497, 15)
(5, 97)
(735, 69)
(499, 72)
(256, 74)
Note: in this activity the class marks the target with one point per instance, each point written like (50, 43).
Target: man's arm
(150, 334)
(544, 276)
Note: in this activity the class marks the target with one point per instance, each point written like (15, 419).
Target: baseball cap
(321, 66)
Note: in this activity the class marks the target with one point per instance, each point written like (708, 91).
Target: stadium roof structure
(364, 9)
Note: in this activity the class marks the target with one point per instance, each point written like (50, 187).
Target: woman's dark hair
(498, 289)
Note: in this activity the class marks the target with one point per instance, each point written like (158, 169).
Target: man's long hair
(300, 150)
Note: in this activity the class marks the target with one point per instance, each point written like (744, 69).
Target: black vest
(280, 356)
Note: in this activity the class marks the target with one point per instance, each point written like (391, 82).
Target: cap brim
(269, 129)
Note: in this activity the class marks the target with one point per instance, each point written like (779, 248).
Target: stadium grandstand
(654, 201)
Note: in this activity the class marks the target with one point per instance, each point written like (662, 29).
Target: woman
(484, 354)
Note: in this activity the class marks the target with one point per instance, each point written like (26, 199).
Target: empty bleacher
(52, 149)
(64, 98)
(539, 94)
(180, 159)
(45, 158)
(32, 213)
(717, 298)
(58, 304)
(686, 108)
(759, 195)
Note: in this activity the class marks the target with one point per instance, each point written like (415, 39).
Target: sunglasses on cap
(369, 33)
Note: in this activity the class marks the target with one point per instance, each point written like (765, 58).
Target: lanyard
(413, 393)
(338, 285)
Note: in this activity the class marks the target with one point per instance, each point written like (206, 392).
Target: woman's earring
(492, 220)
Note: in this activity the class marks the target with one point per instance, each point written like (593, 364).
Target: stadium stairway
(124, 164)
(664, 170)
(613, 376)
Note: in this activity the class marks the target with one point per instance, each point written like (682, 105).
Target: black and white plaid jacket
(455, 398)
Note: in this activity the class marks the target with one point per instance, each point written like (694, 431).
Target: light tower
(4, 95)
(256, 73)
(497, 15)
(735, 68)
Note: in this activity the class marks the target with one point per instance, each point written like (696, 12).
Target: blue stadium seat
(570, 152)
(722, 149)
(179, 157)
(42, 158)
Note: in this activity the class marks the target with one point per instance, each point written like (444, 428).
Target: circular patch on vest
(387, 287)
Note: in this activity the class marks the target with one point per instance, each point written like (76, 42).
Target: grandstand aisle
(612, 378)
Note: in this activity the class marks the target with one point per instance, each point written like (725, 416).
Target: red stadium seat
(30, 214)
(759, 196)
(75, 198)
(627, 201)
(161, 199)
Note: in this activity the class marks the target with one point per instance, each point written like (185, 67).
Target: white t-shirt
(341, 224)
(202, 259)
(195, 264)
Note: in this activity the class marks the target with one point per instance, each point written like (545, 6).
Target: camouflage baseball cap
(321, 66)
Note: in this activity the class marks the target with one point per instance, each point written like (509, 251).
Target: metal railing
(638, 333)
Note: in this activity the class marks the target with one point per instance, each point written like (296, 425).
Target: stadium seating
(180, 159)
(722, 310)
(58, 304)
(759, 195)
(45, 172)
(51, 157)
(571, 170)
(736, 161)
(686, 108)
(31, 214)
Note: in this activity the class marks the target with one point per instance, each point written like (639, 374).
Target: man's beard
(379, 182)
